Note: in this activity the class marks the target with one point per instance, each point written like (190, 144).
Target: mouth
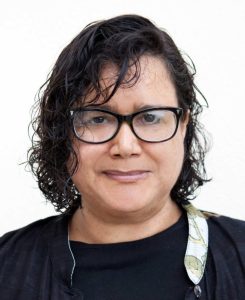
(126, 176)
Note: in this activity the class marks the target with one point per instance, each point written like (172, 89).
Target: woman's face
(126, 176)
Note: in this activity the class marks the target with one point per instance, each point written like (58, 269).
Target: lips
(126, 176)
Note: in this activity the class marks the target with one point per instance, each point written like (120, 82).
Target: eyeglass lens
(98, 126)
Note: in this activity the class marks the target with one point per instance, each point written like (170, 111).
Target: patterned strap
(197, 246)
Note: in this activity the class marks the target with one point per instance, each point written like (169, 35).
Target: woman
(119, 154)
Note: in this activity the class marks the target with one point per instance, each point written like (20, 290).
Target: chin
(134, 204)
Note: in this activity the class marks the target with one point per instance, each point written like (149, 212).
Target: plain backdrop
(212, 33)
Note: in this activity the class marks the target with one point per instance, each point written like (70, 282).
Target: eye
(150, 118)
(97, 120)
(94, 118)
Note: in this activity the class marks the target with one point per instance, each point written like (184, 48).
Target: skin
(130, 205)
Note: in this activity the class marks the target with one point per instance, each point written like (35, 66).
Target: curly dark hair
(121, 41)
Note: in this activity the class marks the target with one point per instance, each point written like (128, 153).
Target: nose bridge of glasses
(125, 119)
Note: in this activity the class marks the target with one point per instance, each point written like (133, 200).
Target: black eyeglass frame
(178, 111)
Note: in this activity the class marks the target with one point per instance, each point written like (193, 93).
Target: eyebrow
(114, 109)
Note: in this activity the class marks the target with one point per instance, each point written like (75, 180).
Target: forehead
(149, 70)
(146, 83)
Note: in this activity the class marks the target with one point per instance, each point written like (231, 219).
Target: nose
(125, 143)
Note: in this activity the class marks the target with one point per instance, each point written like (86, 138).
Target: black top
(36, 263)
(150, 268)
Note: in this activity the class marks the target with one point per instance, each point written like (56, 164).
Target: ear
(184, 122)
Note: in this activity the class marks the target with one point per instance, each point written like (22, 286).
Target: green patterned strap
(197, 246)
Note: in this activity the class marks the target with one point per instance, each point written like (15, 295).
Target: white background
(32, 35)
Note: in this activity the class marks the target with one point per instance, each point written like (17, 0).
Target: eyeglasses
(153, 125)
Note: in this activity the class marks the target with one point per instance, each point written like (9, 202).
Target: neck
(87, 227)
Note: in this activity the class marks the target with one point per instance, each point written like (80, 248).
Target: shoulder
(227, 240)
(34, 234)
(226, 226)
(225, 272)
(27, 256)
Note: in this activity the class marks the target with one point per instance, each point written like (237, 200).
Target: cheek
(83, 176)
(88, 158)
(170, 158)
